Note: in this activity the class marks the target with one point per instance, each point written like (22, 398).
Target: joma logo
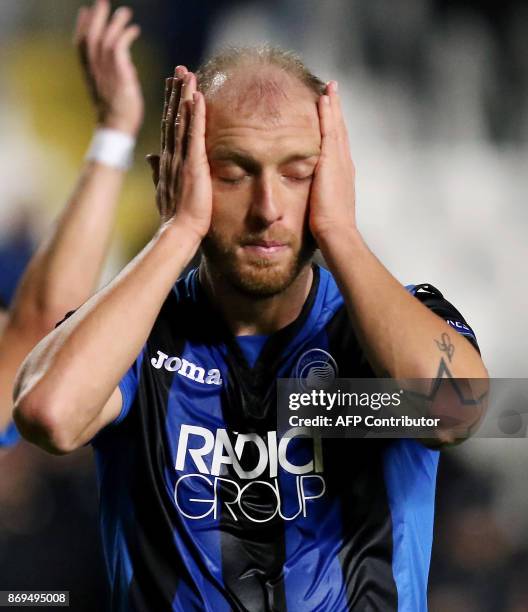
(181, 366)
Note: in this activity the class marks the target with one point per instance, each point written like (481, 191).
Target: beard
(253, 276)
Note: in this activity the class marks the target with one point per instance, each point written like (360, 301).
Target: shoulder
(180, 307)
(435, 300)
(432, 297)
(186, 316)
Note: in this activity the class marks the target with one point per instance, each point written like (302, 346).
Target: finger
(98, 19)
(186, 97)
(180, 71)
(81, 23)
(120, 19)
(170, 105)
(196, 152)
(337, 112)
(84, 17)
(128, 37)
(84, 21)
(326, 120)
(189, 87)
(172, 114)
(331, 92)
(169, 117)
(154, 163)
(168, 91)
(123, 44)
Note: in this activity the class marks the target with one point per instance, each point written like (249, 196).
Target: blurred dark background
(436, 99)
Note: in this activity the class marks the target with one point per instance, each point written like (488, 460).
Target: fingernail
(326, 100)
(336, 85)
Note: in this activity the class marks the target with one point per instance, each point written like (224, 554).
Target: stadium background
(436, 96)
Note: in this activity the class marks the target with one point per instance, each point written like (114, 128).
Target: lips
(264, 247)
(266, 244)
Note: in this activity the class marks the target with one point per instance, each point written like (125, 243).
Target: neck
(246, 315)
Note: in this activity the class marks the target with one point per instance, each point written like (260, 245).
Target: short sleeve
(128, 386)
(434, 300)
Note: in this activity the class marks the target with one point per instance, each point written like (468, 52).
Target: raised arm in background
(65, 270)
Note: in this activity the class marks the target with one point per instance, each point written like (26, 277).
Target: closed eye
(297, 179)
(232, 181)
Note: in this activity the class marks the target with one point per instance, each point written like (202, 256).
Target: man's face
(263, 142)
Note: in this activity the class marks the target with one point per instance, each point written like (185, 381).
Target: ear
(154, 163)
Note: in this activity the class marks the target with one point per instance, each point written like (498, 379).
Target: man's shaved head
(256, 76)
(265, 93)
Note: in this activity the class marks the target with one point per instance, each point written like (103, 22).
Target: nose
(265, 208)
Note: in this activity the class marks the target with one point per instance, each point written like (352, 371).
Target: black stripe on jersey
(253, 554)
(366, 529)
(157, 569)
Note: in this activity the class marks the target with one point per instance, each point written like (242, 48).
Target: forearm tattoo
(446, 346)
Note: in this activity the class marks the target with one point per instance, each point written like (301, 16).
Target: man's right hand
(181, 173)
(104, 43)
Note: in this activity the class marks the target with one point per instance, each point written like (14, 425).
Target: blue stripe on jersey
(116, 513)
(186, 600)
(10, 436)
(115, 517)
(251, 346)
(410, 477)
(316, 521)
(189, 483)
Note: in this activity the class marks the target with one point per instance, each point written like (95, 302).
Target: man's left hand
(332, 199)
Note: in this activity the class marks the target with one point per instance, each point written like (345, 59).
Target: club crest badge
(316, 369)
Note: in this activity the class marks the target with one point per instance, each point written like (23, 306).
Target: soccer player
(65, 270)
(203, 505)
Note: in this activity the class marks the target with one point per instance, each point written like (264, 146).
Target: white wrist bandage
(112, 148)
